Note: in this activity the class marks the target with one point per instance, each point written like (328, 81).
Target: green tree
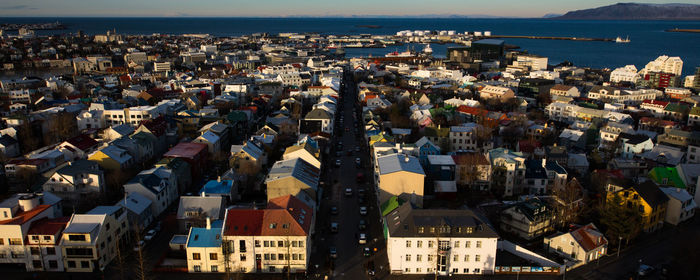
(620, 219)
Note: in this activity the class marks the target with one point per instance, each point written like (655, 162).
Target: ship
(400, 54)
(427, 49)
(332, 46)
(354, 45)
(620, 40)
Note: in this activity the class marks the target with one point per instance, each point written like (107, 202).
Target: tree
(119, 259)
(621, 220)
(141, 268)
(569, 203)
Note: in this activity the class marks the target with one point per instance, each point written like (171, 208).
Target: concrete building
(292, 176)
(89, 241)
(528, 219)
(584, 244)
(509, 168)
(624, 74)
(443, 242)
(400, 175)
(681, 205)
(664, 63)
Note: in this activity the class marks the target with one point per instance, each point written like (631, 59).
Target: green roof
(658, 174)
(436, 132)
(391, 204)
(676, 107)
(695, 111)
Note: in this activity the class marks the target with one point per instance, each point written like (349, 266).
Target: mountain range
(637, 11)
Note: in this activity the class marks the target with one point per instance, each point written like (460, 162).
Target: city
(303, 155)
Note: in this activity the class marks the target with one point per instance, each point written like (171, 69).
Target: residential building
(584, 244)
(508, 170)
(664, 63)
(528, 219)
(204, 250)
(269, 240)
(89, 241)
(157, 184)
(247, 159)
(43, 239)
(473, 170)
(400, 175)
(112, 158)
(194, 211)
(564, 90)
(74, 181)
(291, 177)
(305, 151)
(139, 210)
(681, 205)
(442, 174)
(624, 74)
(636, 144)
(439, 241)
(647, 198)
(496, 92)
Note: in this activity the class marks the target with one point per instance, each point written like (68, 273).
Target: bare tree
(569, 202)
(141, 268)
(120, 260)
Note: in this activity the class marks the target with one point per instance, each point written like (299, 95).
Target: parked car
(139, 245)
(645, 270)
(363, 238)
(363, 210)
(348, 191)
(149, 235)
(337, 163)
(363, 224)
(366, 252)
(358, 161)
(370, 268)
(334, 210)
(333, 252)
(334, 227)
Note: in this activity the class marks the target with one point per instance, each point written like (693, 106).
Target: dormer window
(421, 229)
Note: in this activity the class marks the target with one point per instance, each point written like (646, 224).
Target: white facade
(91, 120)
(664, 63)
(681, 205)
(533, 62)
(624, 74)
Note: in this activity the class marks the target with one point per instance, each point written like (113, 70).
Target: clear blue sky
(242, 8)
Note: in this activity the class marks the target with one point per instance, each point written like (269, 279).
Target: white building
(94, 119)
(443, 242)
(681, 205)
(533, 62)
(509, 166)
(89, 241)
(664, 63)
(624, 74)
(585, 244)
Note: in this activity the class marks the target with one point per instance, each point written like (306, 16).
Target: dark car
(370, 268)
(334, 210)
(363, 224)
(366, 252)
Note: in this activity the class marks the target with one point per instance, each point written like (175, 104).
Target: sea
(648, 39)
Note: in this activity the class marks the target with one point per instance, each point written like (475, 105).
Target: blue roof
(202, 237)
(489, 42)
(216, 187)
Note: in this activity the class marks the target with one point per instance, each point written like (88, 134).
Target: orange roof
(286, 215)
(589, 237)
(25, 216)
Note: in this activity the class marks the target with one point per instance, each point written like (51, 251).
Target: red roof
(589, 237)
(300, 212)
(528, 146)
(82, 142)
(243, 222)
(156, 126)
(23, 217)
(46, 226)
(186, 150)
(27, 161)
(656, 102)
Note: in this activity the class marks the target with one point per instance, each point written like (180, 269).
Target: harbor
(617, 40)
(683, 30)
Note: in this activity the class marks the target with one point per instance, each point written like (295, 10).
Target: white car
(139, 245)
(149, 235)
(363, 210)
(337, 162)
(363, 238)
(348, 192)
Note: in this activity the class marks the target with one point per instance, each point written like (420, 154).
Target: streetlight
(619, 242)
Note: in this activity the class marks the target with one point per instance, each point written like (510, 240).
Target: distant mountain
(637, 11)
(551, 15)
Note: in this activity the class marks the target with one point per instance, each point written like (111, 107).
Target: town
(275, 156)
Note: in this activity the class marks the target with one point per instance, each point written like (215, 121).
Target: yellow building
(112, 158)
(647, 198)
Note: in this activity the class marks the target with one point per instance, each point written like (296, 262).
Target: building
(443, 242)
(89, 241)
(616, 95)
(139, 211)
(305, 151)
(204, 250)
(247, 159)
(112, 158)
(564, 90)
(291, 177)
(496, 92)
(532, 62)
(681, 205)
(584, 244)
(508, 170)
(400, 175)
(633, 145)
(624, 74)
(18, 214)
(269, 240)
(647, 197)
(528, 219)
(42, 242)
(473, 171)
(157, 184)
(193, 211)
(664, 63)
(81, 179)
(195, 154)
(441, 173)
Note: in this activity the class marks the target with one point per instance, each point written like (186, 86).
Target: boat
(620, 40)
(428, 49)
(332, 46)
(400, 54)
(355, 45)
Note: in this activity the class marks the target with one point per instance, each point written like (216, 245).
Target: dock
(683, 30)
(552, 38)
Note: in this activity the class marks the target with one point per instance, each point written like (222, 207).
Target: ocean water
(648, 38)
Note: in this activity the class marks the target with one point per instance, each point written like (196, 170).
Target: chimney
(218, 179)
(544, 162)
(405, 158)
(204, 194)
(208, 223)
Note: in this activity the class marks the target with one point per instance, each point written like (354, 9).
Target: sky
(284, 8)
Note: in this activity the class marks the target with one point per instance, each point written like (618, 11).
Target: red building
(193, 153)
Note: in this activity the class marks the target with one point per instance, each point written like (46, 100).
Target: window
(15, 241)
(36, 264)
(294, 243)
(407, 269)
(266, 243)
(419, 258)
(455, 270)
(196, 256)
(301, 257)
(466, 258)
(257, 243)
(418, 270)
(214, 268)
(71, 264)
(467, 244)
(35, 251)
(267, 257)
(477, 258)
(272, 243)
(213, 256)
(430, 243)
(456, 244)
(419, 244)
(53, 264)
(408, 258)
(280, 244)
(273, 257)
(280, 257)
(35, 238)
(408, 243)
(197, 268)
(76, 237)
(243, 257)
(455, 258)
(241, 246)
(84, 264)
(466, 270)
(46, 238)
(430, 258)
(294, 257)
(477, 270)
(478, 244)
(272, 269)
(2, 241)
(50, 251)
